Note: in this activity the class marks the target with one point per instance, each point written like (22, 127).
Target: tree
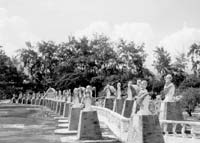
(11, 79)
(132, 56)
(194, 54)
(162, 61)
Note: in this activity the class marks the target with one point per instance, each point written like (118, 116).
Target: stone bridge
(119, 120)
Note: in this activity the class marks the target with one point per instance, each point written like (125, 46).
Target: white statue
(119, 92)
(87, 99)
(169, 89)
(143, 99)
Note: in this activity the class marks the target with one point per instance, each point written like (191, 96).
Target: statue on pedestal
(143, 99)
(169, 89)
(119, 92)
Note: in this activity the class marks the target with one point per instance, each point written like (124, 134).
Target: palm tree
(194, 53)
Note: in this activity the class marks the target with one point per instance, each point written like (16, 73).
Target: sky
(173, 24)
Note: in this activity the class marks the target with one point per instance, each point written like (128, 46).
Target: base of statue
(61, 108)
(145, 129)
(109, 103)
(119, 103)
(58, 107)
(89, 127)
(171, 111)
(127, 109)
(67, 107)
(74, 118)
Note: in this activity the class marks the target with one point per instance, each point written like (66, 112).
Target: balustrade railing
(188, 129)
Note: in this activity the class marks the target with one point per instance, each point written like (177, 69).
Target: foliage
(194, 54)
(162, 61)
(190, 99)
(11, 79)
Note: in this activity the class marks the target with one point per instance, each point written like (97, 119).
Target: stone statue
(110, 91)
(119, 92)
(143, 99)
(169, 89)
(87, 99)
(129, 92)
(75, 97)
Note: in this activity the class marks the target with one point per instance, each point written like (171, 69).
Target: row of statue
(84, 95)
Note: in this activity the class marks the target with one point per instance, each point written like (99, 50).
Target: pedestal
(58, 107)
(61, 108)
(74, 118)
(145, 129)
(67, 107)
(89, 128)
(127, 108)
(109, 103)
(171, 111)
(119, 106)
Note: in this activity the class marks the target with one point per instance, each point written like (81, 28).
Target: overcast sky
(174, 24)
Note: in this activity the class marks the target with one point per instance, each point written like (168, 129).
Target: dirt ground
(26, 124)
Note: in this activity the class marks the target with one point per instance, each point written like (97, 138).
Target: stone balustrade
(189, 129)
(117, 123)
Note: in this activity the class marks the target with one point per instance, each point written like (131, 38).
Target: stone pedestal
(127, 108)
(23, 101)
(118, 107)
(89, 128)
(74, 118)
(145, 129)
(37, 101)
(61, 108)
(109, 103)
(171, 111)
(67, 107)
(58, 107)
(33, 101)
(20, 100)
(41, 102)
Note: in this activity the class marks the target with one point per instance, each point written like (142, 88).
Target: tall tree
(162, 63)
(132, 56)
(194, 54)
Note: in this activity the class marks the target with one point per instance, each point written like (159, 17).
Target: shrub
(190, 98)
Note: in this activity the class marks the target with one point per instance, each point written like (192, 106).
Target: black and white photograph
(99, 71)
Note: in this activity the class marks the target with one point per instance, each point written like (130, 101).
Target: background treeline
(96, 62)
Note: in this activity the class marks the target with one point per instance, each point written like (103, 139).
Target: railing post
(165, 128)
(174, 128)
(192, 132)
(183, 130)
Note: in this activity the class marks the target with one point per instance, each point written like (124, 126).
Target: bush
(190, 99)
(189, 82)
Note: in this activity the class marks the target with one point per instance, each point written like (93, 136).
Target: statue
(143, 99)
(119, 92)
(110, 91)
(169, 89)
(75, 97)
(129, 92)
(87, 99)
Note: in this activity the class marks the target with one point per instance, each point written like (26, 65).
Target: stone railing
(187, 129)
(118, 124)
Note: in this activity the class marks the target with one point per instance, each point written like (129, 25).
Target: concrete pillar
(127, 108)
(171, 111)
(74, 118)
(89, 128)
(109, 103)
(145, 129)
(62, 103)
(118, 106)
(58, 107)
(67, 108)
